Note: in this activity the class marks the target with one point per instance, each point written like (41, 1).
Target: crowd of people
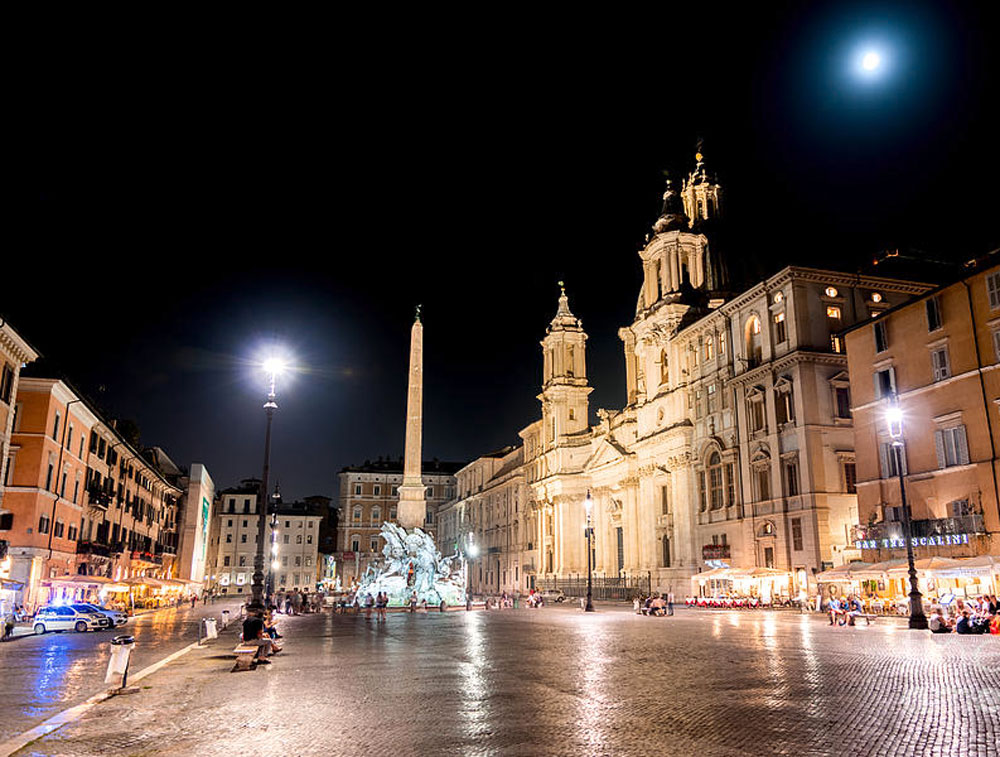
(654, 605)
(967, 616)
(740, 602)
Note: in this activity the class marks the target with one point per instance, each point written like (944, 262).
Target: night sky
(199, 199)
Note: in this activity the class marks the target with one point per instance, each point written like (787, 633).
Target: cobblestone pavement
(43, 675)
(557, 681)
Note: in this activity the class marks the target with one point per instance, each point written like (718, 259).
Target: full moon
(870, 61)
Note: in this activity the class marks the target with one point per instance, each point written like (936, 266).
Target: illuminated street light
(871, 60)
(272, 366)
(894, 422)
(588, 504)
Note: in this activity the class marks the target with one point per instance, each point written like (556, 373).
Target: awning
(79, 580)
(152, 583)
(965, 567)
(927, 566)
(850, 572)
(6, 583)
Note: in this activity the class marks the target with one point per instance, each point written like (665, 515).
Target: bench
(245, 656)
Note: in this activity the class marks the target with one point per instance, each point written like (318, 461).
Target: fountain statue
(411, 563)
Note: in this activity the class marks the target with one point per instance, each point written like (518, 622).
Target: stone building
(369, 497)
(296, 529)
(489, 511)
(938, 357)
(234, 528)
(734, 447)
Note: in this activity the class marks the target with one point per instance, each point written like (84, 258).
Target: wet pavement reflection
(43, 675)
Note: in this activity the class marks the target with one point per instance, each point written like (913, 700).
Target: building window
(712, 403)
(298, 561)
(355, 543)
(993, 289)
(374, 544)
(665, 499)
(887, 453)
(286, 538)
(298, 539)
(665, 551)
(850, 478)
(229, 538)
(762, 481)
(55, 428)
(243, 538)
(885, 383)
(881, 336)
(7, 383)
(58, 530)
(768, 557)
(43, 524)
(377, 490)
(940, 364)
(730, 484)
(836, 344)
(797, 534)
(833, 312)
(784, 407)
(225, 561)
(357, 490)
(842, 394)
(357, 514)
(831, 291)
(243, 561)
(791, 478)
(376, 516)
(755, 408)
(780, 332)
(722, 343)
(309, 538)
(715, 480)
(932, 306)
(951, 446)
(996, 345)
(702, 495)
(709, 347)
(754, 353)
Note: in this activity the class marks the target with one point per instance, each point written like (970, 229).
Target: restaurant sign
(716, 552)
(942, 540)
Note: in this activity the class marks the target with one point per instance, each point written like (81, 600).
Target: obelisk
(412, 494)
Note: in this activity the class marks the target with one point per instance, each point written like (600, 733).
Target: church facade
(735, 445)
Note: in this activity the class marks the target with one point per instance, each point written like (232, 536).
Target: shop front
(736, 586)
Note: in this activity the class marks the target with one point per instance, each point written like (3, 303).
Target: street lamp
(588, 503)
(894, 420)
(272, 367)
(471, 550)
(273, 566)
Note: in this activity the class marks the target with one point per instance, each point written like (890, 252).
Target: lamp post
(271, 368)
(273, 564)
(471, 550)
(894, 420)
(588, 503)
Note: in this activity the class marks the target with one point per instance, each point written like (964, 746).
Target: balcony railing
(93, 548)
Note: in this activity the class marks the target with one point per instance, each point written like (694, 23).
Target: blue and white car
(65, 618)
(118, 618)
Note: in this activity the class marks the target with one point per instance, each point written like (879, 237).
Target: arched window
(715, 480)
(570, 360)
(754, 353)
(376, 516)
(664, 367)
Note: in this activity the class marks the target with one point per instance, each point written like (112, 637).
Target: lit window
(833, 312)
(831, 291)
(780, 332)
(778, 298)
(876, 297)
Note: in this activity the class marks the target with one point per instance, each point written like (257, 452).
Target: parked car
(57, 619)
(553, 595)
(118, 618)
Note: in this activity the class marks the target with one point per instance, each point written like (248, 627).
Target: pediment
(608, 452)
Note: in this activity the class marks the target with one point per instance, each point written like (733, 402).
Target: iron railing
(614, 588)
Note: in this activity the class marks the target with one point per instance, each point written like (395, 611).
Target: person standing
(670, 602)
(369, 604)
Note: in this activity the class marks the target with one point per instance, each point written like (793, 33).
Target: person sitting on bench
(854, 609)
(254, 634)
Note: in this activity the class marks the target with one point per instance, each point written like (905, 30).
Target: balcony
(938, 531)
(93, 548)
(147, 557)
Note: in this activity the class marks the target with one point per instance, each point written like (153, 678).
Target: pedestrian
(194, 598)
(413, 602)
(296, 602)
(670, 602)
(369, 604)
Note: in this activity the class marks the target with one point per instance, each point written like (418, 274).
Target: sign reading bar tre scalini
(917, 541)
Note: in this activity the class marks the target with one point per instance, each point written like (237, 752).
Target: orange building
(938, 355)
(82, 502)
(45, 483)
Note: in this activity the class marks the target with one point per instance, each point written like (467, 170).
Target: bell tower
(565, 408)
(702, 194)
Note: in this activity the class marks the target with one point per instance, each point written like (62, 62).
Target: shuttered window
(887, 457)
(885, 383)
(993, 289)
(940, 364)
(951, 446)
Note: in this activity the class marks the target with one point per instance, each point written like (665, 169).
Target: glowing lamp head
(276, 565)
(871, 60)
(274, 365)
(894, 419)
(473, 550)
(588, 503)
